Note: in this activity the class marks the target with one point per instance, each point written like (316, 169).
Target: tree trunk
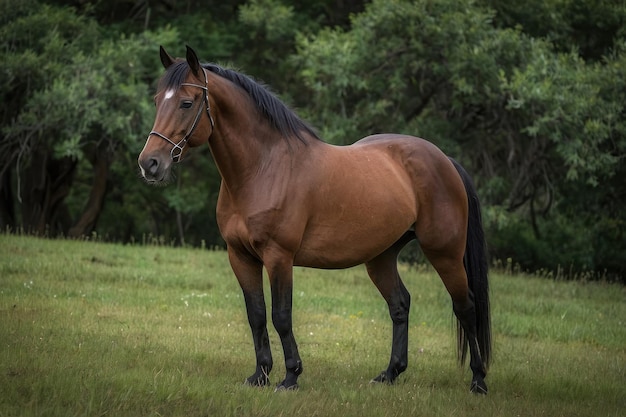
(47, 182)
(7, 202)
(101, 161)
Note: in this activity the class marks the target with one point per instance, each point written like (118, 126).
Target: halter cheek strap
(177, 148)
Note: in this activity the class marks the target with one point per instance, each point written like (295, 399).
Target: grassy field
(92, 329)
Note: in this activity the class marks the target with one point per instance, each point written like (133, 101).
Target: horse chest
(259, 227)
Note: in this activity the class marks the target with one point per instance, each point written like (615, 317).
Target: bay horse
(287, 199)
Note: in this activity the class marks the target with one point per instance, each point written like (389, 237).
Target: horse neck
(243, 143)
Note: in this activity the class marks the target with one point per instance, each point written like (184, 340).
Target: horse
(287, 198)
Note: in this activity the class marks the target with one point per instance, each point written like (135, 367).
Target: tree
(38, 43)
(590, 27)
(81, 104)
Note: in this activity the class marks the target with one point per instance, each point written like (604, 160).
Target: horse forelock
(174, 75)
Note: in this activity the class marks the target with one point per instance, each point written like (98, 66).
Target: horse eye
(186, 104)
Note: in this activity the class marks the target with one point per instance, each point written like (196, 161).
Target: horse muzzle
(155, 169)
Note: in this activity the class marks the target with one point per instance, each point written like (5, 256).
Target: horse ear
(193, 61)
(166, 59)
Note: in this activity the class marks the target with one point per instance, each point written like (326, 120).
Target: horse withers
(288, 198)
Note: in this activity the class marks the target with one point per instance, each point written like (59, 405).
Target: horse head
(183, 116)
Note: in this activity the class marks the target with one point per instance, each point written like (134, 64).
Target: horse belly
(356, 227)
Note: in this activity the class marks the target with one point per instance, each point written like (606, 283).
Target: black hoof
(479, 387)
(382, 379)
(258, 380)
(283, 387)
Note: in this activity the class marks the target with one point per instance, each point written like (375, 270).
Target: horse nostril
(152, 166)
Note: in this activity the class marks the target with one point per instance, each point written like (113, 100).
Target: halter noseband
(177, 149)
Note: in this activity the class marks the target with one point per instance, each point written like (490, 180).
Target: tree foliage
(528, 95)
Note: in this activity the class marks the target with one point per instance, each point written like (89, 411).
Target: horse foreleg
(281, 281)
(250, 276)
(255, 306)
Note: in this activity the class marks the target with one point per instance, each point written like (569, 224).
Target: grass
(92, 329)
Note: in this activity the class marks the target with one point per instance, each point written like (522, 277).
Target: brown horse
(287, 198)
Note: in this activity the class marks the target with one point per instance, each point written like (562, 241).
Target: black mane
(281, 117)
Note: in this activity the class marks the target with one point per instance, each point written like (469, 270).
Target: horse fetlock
(260, 378)
(478, 372)
(294, 366)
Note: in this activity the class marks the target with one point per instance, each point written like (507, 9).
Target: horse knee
(282, 321)
(399, 306)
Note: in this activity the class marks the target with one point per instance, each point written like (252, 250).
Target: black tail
(476, 266)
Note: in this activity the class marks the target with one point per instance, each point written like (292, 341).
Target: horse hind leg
(453, 274)
(383, 271)
(466, 315)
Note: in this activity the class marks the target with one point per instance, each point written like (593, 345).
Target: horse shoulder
(259, 227)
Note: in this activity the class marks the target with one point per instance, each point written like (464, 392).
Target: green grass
(92, 329)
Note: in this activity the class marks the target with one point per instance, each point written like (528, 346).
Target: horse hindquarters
(451, 237)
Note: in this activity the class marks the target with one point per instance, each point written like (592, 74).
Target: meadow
(95, 329)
